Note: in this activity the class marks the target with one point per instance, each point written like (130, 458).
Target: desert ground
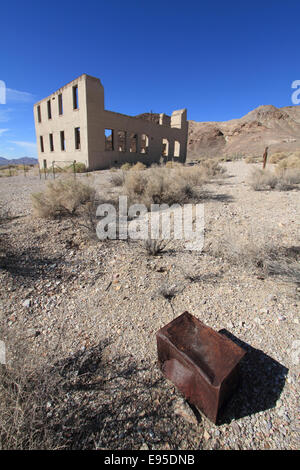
(79, 317)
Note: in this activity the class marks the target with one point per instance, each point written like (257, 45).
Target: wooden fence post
(265, 156)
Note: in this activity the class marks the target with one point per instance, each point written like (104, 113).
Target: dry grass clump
(118, 179)
(160, 185)
(155, 247)
(277, 157)
(139, 166)
(211, 168)
(61, 198)
(249, 251)
(81, 401)
(287, 270)
(292, 161)
(262, 179)
(255, 252)
(282, 180)
(78, 167)
(126, 166)
(8, 172)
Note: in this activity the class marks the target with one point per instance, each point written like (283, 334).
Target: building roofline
(65, 85)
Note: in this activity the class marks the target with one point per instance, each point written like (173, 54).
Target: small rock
(271, 298)
(144, 447)
(182, 409)
(206, 435)
(27, 303)
(235, 427)
(264, 311)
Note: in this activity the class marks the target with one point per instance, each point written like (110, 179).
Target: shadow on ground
(88, 401)
(262, 381)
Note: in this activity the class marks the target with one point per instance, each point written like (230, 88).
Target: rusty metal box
(202, 363)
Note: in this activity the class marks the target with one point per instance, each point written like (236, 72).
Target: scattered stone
(182, 409)
(144, 447)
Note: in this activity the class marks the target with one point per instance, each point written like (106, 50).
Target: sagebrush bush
(211, 168)
(126, 166)
(139, 166)
(78, 167)
(160, 185)
(282, 180)
(292, 161)
(155, 247)
(262, 179)
(277, 157)
(61, 197)
(117, 179)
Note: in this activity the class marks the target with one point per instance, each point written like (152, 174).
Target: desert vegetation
(282, 180)
(169, 184)
(62, 197)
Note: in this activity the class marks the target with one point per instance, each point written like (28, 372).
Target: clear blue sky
(219, 59)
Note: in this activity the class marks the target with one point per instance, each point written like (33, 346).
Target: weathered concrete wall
(67, 122)
(93, 119)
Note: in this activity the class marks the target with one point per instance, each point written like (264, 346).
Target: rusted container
(202, 363)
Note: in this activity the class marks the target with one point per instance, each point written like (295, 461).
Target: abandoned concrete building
(73, 125)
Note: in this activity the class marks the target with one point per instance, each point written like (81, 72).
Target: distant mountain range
(18, 161)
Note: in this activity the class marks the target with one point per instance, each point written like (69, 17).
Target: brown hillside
(278, 128)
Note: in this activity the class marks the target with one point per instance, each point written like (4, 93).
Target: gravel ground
(60, 288)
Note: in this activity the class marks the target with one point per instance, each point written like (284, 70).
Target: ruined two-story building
(73, 125)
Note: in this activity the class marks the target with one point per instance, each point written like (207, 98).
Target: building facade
(73, 125)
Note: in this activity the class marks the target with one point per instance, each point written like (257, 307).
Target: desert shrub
(139, 166)
(282, 180)
(292, 176)
(117, 179)
(155, 247)
(61, 197)
(293, 161)
(82, 401)
(160, 185)
(287, 270)
(8, 172)
(126, 166)
(79, 167)
(262, 179)
(211, 168)
(256, 252)
(277, 157)
(249, 251)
